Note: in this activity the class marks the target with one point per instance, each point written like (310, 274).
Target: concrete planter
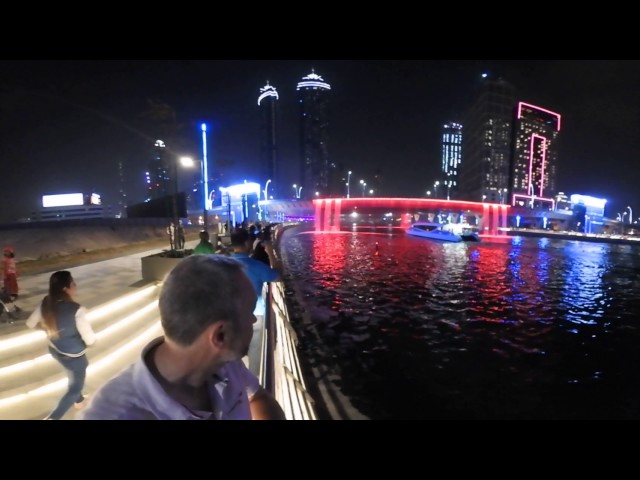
(156, 267)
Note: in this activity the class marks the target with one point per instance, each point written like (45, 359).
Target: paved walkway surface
(98, 283)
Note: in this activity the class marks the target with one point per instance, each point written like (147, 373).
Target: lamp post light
(266, 189)
(188, 162)
(484, 197)
(503, 194)
(428, 193)
(435, 189)
(348, 183)
(266, 196)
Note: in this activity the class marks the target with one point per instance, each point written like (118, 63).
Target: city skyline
(66, 125)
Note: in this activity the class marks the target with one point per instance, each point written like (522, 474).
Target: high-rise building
(316, 172)
(487, 143)
(267, 102)
(535, 156)
(451, 157)
(158, 175)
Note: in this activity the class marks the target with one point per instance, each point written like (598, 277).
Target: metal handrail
(283, 375)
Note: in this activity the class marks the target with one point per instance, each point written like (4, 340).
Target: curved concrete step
(33, 400)
(38, 370)
(27, 344)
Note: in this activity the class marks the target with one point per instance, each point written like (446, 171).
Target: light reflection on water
(526, 328)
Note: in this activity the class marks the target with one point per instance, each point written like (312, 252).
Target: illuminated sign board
(63, 200)
(241, 189)
(588, 201)
(235, 192)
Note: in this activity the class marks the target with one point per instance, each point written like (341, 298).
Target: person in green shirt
(205, 247)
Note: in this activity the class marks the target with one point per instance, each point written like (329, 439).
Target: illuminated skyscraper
(157, 177)
(451, 157)
(533, 179)
(487, 142)
(316, 173)
(267, 102)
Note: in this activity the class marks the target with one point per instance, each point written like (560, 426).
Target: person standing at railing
(194, 372)
(69, 332)
(259, 272)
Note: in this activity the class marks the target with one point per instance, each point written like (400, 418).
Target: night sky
(65, 125)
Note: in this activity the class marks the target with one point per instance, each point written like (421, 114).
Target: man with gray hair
(194, 372)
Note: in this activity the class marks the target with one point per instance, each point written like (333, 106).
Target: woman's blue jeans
(76, 369)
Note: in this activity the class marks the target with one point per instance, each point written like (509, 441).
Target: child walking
(10, 273)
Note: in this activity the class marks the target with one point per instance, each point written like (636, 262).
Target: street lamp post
(435, 189)
(188, 162)
(348, 183)
(266, 190)
(502, 192)
(448, 190)
(364, 186)
(630, 215)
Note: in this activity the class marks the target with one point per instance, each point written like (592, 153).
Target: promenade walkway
(123, 311)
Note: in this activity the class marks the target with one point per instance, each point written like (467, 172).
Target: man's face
(243, 329)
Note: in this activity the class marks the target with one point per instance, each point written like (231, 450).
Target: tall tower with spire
(267, 102)
(315, 169)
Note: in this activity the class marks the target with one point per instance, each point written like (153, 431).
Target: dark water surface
(523, 329)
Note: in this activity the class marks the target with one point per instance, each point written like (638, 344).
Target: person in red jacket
(10, 273)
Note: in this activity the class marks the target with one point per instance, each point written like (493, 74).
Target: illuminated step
(42, 366)
(37, 401)
(28, 344)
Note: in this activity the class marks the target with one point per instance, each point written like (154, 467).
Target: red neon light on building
(540, 109)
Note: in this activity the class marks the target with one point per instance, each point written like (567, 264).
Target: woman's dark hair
(58, 282)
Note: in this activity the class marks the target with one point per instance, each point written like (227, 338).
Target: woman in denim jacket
(69, 334)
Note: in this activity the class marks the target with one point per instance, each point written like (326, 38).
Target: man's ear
(218, 333)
